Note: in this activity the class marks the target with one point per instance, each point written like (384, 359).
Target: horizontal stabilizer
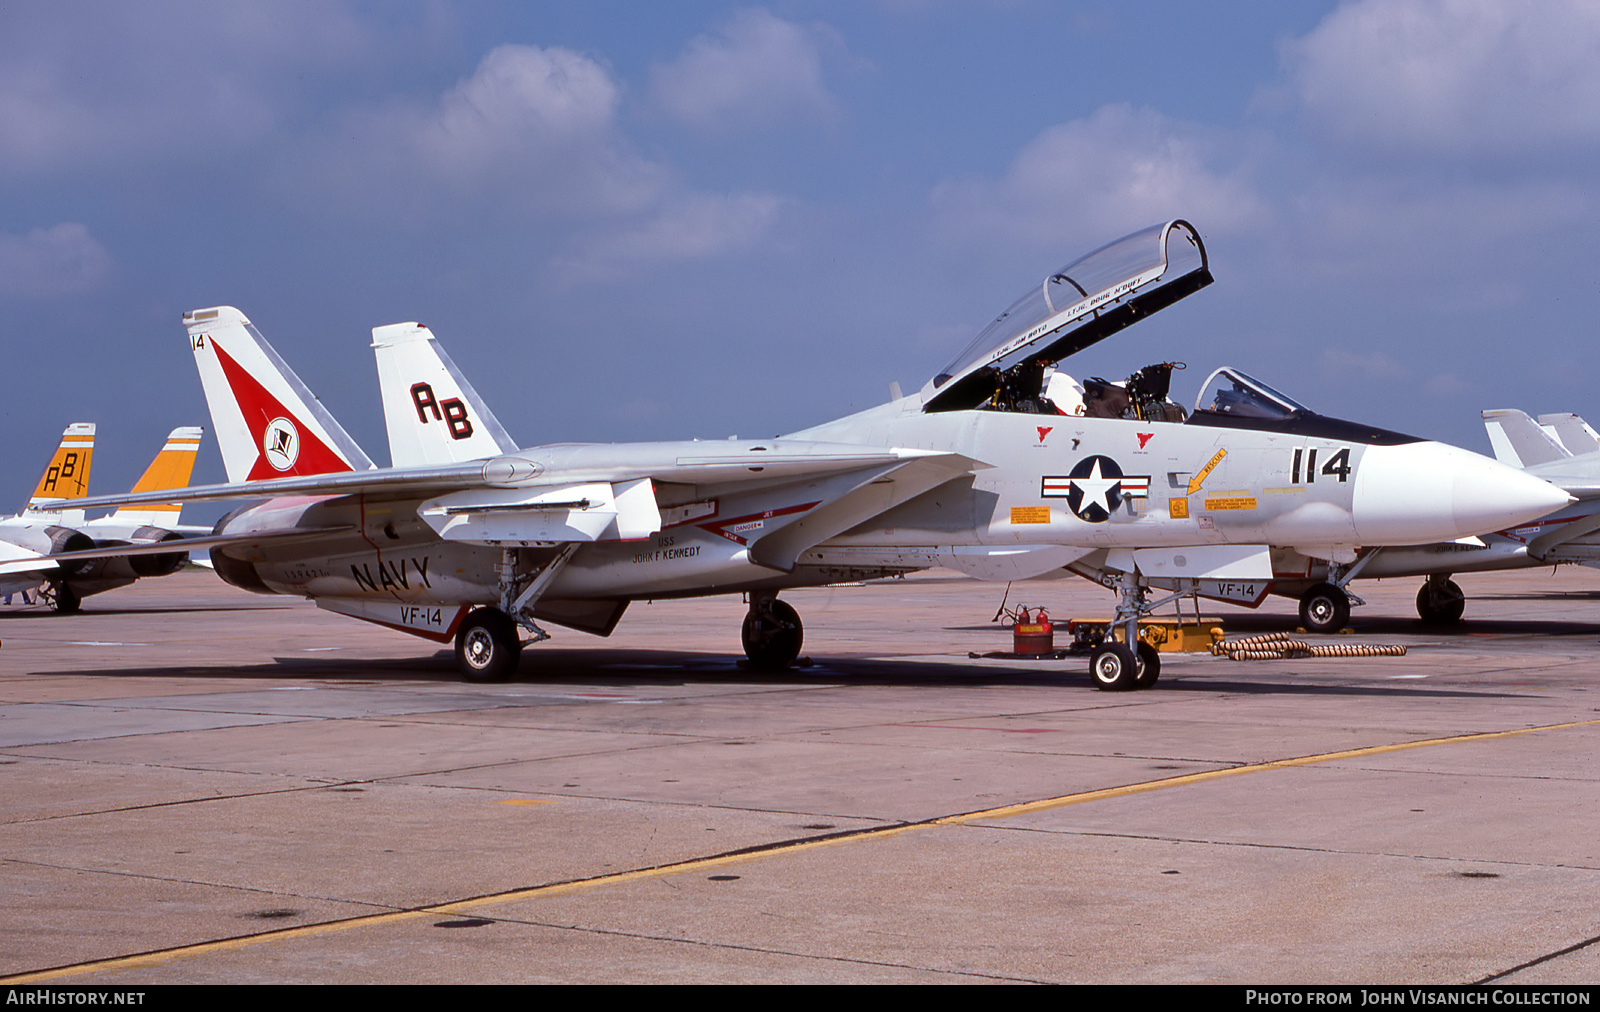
(1518, 440)
(16, 559)
(1545, 546)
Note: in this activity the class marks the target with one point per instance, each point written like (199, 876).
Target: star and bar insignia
(1095, 488)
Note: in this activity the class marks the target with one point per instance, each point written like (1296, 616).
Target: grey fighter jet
(1001, 466)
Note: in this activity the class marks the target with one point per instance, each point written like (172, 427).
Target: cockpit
(1044, 389)
(1013, 365)
(1234, 394)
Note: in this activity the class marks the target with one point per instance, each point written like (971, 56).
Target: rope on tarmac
(1283, 646)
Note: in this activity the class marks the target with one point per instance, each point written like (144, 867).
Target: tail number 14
(1335, 465)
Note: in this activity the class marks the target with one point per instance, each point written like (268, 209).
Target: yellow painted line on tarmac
(1007, 811)
(161, 956)
(526, 801)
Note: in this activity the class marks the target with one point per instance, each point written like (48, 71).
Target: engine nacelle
(51, 539)
(157, 565)
(238, 572)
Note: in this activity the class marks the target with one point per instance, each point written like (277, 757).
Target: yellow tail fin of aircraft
(53, 554)
(171, 468)
(67, 474)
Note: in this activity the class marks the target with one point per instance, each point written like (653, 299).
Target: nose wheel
(1324, 609)
(772, 634)
(1115, 668)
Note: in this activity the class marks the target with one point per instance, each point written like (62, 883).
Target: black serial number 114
(1336, 464)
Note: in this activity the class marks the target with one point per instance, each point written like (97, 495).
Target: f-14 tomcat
(35, 543)
(1002, 467)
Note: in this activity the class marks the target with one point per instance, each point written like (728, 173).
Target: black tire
(1113, 667)
(772, 636)
(1324, 608)
(66, 601)
(1441, 603)
(1149, 666)
(487, 646)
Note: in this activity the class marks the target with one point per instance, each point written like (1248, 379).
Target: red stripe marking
(259, 408)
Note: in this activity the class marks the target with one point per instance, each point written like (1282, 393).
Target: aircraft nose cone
(1418, 493)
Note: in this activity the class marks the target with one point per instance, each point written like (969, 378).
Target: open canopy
(1082, 303)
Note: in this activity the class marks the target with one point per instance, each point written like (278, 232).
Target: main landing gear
(772, 633)
(488, 646)
(489, 643)
(1440, 601)
(63, 598)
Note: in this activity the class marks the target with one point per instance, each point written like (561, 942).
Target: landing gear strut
(1114, 666)
(772, 633)
(488, 644)
(1440, 601)
(64, 599)
(1325, 608)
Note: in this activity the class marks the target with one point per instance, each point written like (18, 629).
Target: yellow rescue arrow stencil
(1194, 483)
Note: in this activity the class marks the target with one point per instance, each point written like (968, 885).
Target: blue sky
(642, 221)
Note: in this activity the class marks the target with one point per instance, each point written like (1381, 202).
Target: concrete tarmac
(203, 785)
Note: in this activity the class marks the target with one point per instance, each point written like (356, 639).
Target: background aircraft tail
(268, 423)
(67, 474)
(432, 413)
(1518, 440)
(1571, 432)
(171, 468)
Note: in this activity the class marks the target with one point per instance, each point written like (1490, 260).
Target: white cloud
(693, 226)
(48, 262)
(1468, 241)
(1454, 76)
(1118, 170)
(98, 84)
(1343, 364)
(530, 130)
(757, 70)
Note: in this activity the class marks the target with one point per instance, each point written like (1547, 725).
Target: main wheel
(66, 602)
(487, 646)
(772, 636)
(1324, 608)
(1149, 666)
(1441, 603)
(1113, 667)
